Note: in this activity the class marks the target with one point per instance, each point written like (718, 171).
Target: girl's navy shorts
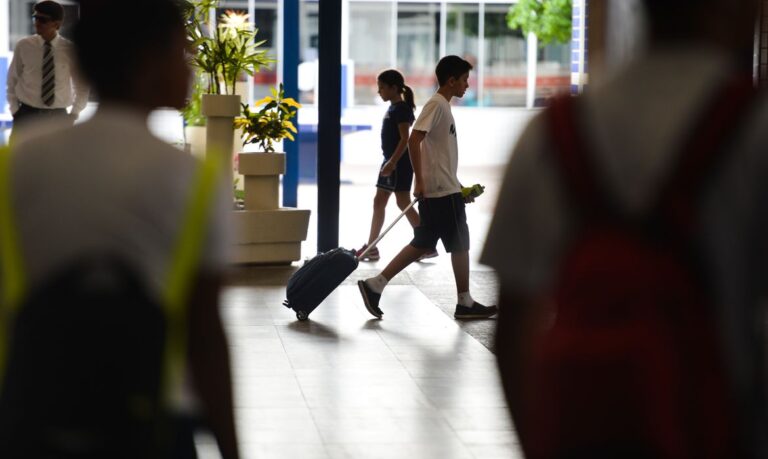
(400, 179)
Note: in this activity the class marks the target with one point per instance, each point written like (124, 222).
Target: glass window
(554, 71)
(371, 43)
(265, 19)
(505, 78)
(418, 46)
(309, 29)
(462, 26)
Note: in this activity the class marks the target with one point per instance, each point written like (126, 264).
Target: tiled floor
(344, 385)
(416, 384)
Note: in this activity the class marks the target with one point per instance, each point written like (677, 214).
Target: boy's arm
(389, 167)
(414, 150)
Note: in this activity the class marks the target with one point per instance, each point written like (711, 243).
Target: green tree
(549, 20)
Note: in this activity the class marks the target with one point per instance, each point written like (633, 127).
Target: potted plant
(223, 53)
(264, 232)
(265, 127)
(271, 234)
(272, 123)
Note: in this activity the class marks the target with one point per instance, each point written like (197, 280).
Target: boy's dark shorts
(445, 219)
(400, 179)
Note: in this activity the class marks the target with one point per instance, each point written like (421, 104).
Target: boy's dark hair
(451, 66)
(50, 9)
(109, 57)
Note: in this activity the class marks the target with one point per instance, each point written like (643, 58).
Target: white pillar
(583, 76)
(221, 110)
(279, 46)
(344, 31)
(393, 38)
(252, 19)
(443, 30)
(533, 53)
(481, 56)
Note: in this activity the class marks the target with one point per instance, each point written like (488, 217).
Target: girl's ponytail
(408, 96)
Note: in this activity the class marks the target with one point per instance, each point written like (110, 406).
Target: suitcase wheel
(301, 315)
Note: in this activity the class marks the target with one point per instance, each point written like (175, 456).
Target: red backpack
(631, 365)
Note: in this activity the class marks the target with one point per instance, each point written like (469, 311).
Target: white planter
(221, 111)
(261, 179)
(265, 232)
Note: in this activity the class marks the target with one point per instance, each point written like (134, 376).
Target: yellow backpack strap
(12, 279)
(184, 263)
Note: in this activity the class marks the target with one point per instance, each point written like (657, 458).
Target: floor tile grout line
(444, 420)
(303, 394)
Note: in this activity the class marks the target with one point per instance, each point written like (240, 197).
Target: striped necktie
(48, 89)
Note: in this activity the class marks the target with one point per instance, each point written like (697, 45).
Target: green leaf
(549, 20)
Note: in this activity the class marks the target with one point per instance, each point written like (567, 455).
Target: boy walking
(435, 157)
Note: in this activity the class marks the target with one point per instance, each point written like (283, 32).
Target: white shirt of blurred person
(636, 122)
(107, 185)
(25, 73)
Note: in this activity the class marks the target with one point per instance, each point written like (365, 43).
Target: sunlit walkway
(344, 385)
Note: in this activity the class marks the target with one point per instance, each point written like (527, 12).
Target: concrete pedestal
(221, 111)
(264, 232)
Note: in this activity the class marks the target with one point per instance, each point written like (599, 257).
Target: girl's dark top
(397, 113)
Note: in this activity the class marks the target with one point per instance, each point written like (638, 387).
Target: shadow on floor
(436, 283)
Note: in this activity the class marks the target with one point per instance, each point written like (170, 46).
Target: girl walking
(396, 173)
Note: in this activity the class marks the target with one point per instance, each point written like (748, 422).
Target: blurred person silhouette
(629, 240)
(113, 246)
(43, 80)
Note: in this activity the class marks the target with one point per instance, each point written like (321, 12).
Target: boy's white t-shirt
(439, 149)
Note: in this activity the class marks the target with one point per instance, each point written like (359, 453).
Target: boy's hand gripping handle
(384, 233)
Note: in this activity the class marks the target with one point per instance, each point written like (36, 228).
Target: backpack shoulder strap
(715, 127)
(185, 259)
(707, 145)
(577, 171)
(12, 280)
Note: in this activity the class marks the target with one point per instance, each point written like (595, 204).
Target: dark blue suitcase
(314, 281)
(318, 277)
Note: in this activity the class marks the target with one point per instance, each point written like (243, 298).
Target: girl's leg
(379, 209)
(403, 198)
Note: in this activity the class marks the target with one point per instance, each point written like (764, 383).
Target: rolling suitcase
(318, 277)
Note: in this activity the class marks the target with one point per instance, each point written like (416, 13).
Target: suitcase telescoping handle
(384, 233)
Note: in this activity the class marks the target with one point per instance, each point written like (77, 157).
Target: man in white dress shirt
(42, 78)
